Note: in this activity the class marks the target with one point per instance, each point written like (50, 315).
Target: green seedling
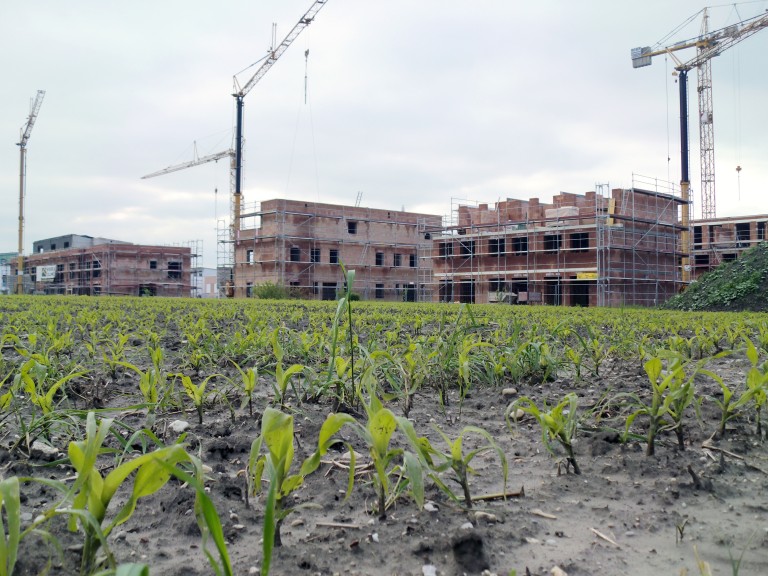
(455, 459)
(344, 395)
(658, 409)
(248, 379)
(283, 376)
(732, 405)
(558, 423)
(93, 493)
(377, 435)
(277, 437)
(10, 526)
(197, 393)
(33, 378)
(757, 383)
(149, 382)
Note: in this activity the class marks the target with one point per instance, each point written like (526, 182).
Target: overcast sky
(415, 103)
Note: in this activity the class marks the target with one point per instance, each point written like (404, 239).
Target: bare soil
(627, 513)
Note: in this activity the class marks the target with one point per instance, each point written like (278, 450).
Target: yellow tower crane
(26, 132)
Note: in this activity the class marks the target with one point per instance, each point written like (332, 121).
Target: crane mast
(22, 144)
(240, 93)
(225, 260)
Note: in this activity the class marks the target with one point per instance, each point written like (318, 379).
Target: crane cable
(666, 90)
(737, 106)
(308, 105)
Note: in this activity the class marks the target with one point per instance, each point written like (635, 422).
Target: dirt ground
(625, 514)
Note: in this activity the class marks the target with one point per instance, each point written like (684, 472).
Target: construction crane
(26, 132)
(708, 45)
(240, 93)
(224, 269)
(196, 161)
(236, 154)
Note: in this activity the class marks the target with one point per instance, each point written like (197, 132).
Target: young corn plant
(10, 525)
(197, 393)
(93, 493)
(732, 404)
(283, 376)
(345, 396)
(277, 437)
(149, 382)
(757, 383)
(248, 379)
(377, 433)
(455, 459)
(558, 423)
(594, 347)
(405, 372)
(33, 377)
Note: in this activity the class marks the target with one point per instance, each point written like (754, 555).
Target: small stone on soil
(178, 426)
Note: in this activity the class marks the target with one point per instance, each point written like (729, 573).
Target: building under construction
(718, 240)
(76, 264)
(301, 245)
(604, 248)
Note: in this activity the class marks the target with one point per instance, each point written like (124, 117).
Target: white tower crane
(26, 131)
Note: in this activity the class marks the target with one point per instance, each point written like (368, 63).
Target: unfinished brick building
(301, 245)
(606, 248)
(724, 239)
(77, 264)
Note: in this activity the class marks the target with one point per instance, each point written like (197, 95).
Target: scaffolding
(606, 247)
(302, 245)
(111, 269)
(640, 243)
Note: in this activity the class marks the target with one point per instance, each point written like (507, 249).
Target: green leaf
(381, 426)
(415, 474)
(9, 544)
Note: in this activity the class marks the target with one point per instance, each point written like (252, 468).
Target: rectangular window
(446, 291)
(497, 285)
(174, 270)
(379, 290)
(761, 231)
(412, 260)
(249, 256)
(351, 227)
(153, 264)
(445, 248)
(315, 255)
(397, 259)
(467, 247)
(249, 289)
(66, 244)
(334, 257)
(96, 269)
(697, 236)
(702, 259)
(580, 241)
(520, 245)
(552, 242)
(295, 254)
(53, 246)
(742, 235)
(72, 273)
(315, 291)
(97, 290)
(379, 258)
(496, 246)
